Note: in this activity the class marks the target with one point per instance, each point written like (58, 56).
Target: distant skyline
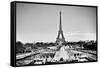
(40, 22)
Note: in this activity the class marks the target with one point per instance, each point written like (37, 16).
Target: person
(44, 60)
(49, 59)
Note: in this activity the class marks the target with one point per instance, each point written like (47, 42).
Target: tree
(19, 47)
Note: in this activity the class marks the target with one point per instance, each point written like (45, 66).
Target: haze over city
(38, 22)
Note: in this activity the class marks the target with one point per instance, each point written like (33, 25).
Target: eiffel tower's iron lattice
(60, 37)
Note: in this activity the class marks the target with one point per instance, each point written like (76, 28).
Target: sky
(40, 22)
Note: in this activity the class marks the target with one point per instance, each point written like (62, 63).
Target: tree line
(27, 47)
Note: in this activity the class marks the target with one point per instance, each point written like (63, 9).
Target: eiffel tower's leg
(62, 35)
(58, 35)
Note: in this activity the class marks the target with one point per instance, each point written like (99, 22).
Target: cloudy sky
(40, 22)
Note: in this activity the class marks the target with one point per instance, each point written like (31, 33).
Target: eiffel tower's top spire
(60, 25)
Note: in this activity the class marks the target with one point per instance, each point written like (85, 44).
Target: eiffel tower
(60, 37)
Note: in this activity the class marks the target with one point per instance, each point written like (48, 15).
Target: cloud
(76, 36)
